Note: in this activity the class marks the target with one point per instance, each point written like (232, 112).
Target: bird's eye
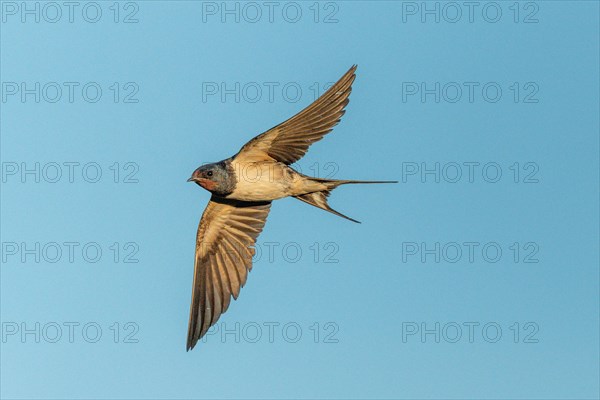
(209, 173)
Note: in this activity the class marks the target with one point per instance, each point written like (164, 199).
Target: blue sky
(474, 277)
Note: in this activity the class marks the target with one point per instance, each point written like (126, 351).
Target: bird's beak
(191, 179)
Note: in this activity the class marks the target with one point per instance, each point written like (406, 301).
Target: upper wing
(289, 141)
(227, 231)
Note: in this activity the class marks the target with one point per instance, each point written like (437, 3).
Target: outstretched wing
(289, 141)
(227, 231)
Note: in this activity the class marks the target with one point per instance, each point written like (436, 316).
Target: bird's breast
(261, 181)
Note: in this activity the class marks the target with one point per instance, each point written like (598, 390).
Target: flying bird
(242, 188)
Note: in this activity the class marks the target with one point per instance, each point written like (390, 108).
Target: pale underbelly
(259, 192)
(264, 182)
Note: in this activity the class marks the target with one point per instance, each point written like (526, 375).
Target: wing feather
(224, 248)
(290, 140)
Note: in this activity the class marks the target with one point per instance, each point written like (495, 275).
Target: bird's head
(213, 177)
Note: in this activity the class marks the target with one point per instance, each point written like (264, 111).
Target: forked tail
(319, 199)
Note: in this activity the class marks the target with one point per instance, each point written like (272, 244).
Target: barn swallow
(242, 188)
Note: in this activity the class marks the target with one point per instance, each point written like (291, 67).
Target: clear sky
(474, 277)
